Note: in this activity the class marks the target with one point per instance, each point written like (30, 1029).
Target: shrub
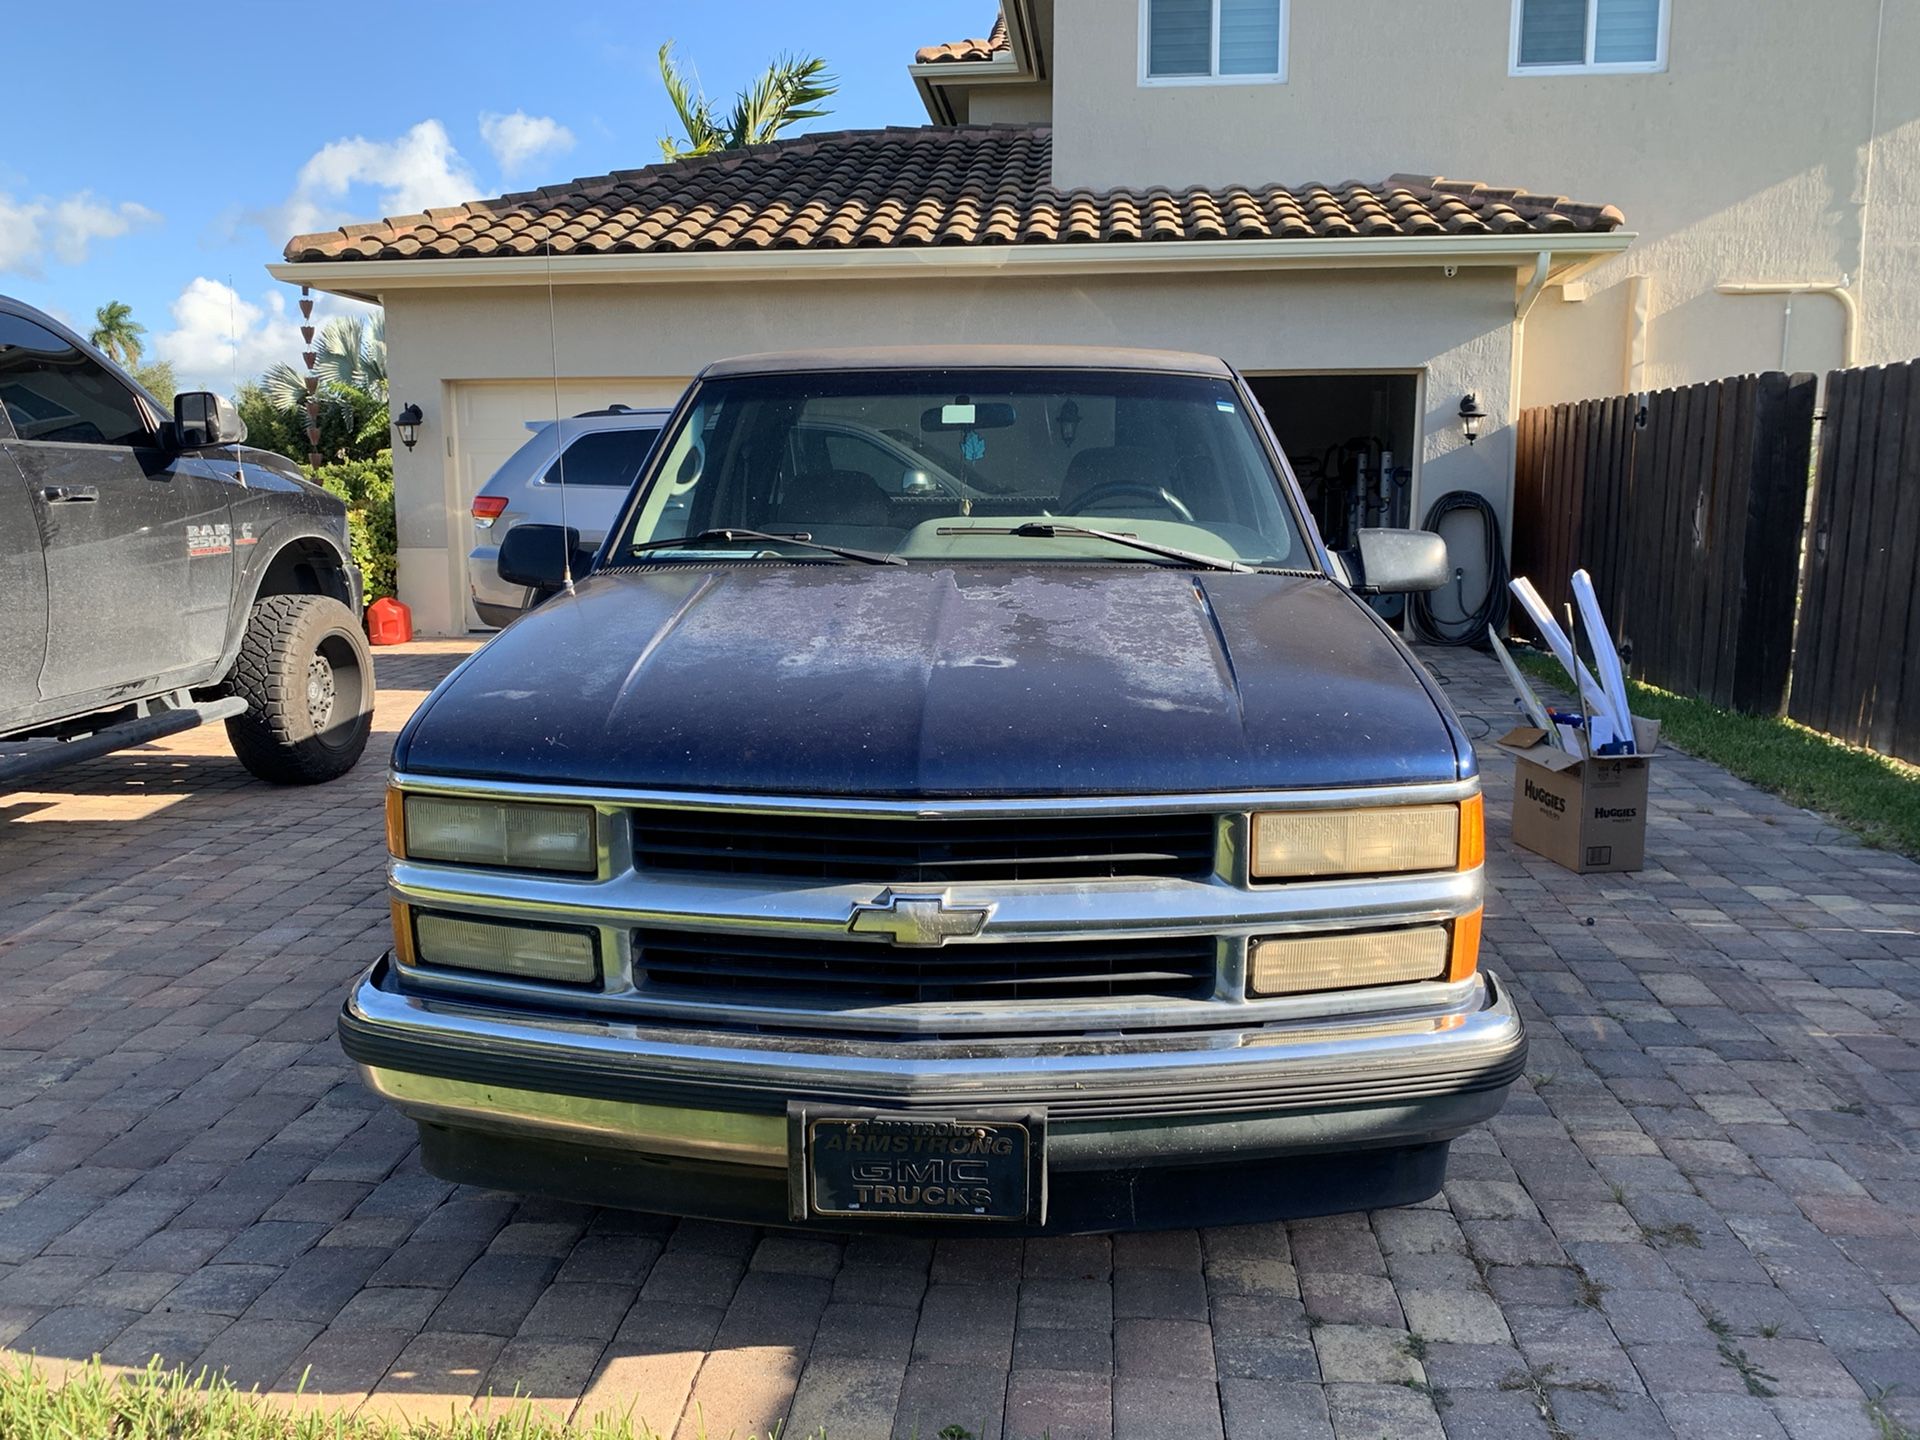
(367, 487)
(346, 433)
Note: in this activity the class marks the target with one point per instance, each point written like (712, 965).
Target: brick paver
(1698, 1216)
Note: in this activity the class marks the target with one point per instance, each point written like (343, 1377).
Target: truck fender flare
(258, 555)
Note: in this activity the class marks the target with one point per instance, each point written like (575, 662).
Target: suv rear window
(602, 457)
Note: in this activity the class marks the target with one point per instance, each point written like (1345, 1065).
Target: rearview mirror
(202, 418)
(963, 414)
(539, 556)
(1395, 562)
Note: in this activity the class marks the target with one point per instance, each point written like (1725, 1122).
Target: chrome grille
(859, 972)
(912, 849)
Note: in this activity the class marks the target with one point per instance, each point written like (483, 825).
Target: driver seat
(1109, 465)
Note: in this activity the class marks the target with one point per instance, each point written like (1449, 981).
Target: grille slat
(914, 850)
(854, 972)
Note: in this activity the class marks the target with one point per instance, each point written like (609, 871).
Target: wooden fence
(1856, 669)
(1686, 506)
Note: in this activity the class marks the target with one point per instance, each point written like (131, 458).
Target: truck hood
(940, 681)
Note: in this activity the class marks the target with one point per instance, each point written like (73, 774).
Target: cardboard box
(1588, 813)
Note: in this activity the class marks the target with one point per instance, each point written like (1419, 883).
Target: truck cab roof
(969, 357)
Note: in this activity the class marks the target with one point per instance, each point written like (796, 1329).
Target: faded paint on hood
(923, 680)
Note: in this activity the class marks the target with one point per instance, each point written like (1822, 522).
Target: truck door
(139, 549)
(23, 584)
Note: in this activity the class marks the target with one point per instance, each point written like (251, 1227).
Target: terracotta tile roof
(970, 185)
(960, 51)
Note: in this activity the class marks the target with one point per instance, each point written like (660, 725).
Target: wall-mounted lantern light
(408, 423)
(1471, 417)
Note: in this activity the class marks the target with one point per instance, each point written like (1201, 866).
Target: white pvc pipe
(1849, 307)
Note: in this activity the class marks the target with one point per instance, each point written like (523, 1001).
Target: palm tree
(116, 335)
(787, 92)
(350, 360)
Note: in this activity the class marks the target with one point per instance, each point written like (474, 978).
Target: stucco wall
(1744, 161)
(1456, 331)
(1025, 104)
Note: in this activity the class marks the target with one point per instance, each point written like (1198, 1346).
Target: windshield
(968, 465)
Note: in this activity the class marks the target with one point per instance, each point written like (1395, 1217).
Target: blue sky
(206, 137)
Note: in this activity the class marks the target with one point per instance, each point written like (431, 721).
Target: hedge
(367, 487)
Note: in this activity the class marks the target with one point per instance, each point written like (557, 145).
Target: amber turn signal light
(402, 933)
(396, 823)
(1463, 956)
(1472, 850)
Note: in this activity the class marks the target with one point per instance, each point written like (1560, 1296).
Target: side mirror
(1394, 562)
(538, 556)
(202, 418)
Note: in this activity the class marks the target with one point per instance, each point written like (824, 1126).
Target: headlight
(1297, 965)
(518, 952)
(506, 833)
(1382, 840)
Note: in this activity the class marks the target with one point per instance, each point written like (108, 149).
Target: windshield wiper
(1047, 530)
(796, 537)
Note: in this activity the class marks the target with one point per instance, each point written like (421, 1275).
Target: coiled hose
(1471, 627)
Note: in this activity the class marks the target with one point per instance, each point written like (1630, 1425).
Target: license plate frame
(960, 1155)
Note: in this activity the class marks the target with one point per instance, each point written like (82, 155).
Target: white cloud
(64, 228)
(519, 139)
(219, 335)
(412, 172)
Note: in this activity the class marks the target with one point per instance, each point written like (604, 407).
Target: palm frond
(284, 387)
(351, 352)
(787, 92)
(692, 107)
(116, 334)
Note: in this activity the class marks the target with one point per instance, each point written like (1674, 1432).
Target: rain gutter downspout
(1536, 282)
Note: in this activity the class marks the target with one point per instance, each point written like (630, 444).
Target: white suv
(603, 455)
(594, 457)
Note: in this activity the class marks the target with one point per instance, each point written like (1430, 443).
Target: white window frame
(1214, 77)
(1589, 67)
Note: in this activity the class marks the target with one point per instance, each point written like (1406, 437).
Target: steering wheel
(1132, 489)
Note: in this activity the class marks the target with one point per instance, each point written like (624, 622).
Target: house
(1106, 171)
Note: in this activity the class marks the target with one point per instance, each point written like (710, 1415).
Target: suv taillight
(487, 509)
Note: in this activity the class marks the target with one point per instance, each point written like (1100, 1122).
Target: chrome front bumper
(634, 1085)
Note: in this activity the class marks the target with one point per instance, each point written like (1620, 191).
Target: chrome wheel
(320, 693)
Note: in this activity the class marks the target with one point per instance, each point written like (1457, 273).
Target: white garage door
(490, 423)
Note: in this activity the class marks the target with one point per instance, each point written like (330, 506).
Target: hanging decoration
(312, 377)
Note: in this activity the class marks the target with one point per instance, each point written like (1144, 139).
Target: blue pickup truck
(1061, 846)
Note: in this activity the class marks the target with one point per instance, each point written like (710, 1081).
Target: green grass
(1678, 1233)
(1886, 1425)
(94, 1403)
(1875, 797)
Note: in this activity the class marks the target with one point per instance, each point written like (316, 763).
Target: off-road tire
(301, 726)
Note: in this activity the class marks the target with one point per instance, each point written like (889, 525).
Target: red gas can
(389, 622)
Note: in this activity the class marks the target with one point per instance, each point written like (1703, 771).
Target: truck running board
(162, 716)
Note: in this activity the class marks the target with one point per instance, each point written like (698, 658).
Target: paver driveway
(1700, 1214)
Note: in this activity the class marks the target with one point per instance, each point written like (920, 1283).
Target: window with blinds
(1589, 35)
(1223, 40)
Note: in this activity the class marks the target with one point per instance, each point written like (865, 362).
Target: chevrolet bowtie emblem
(919, 919)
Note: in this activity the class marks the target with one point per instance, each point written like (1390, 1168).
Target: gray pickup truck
(158, 574)
(1069, 849)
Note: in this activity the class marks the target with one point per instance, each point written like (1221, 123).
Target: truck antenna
(559, 440)
(233, 335)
